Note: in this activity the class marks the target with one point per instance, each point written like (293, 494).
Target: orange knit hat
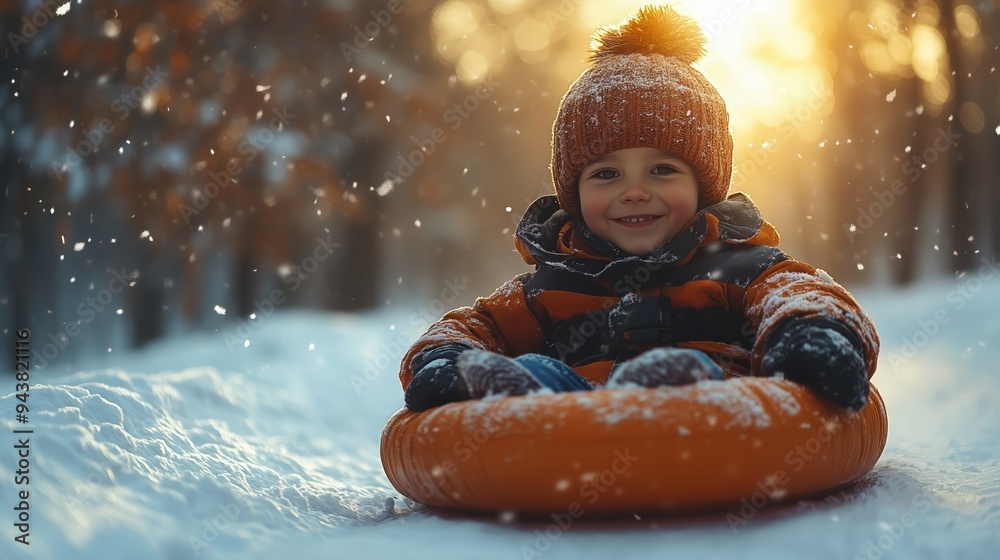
(641, 91)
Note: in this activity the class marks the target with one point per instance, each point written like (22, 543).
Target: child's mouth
(637, 221)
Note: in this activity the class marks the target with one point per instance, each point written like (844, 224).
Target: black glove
(435, 378)
(823, 354)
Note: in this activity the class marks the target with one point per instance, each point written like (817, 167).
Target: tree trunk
(963, 200)
(907, 207)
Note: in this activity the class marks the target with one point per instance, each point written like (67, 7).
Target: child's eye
(604, 174)
(664, 169)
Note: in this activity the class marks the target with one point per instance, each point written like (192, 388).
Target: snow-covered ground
(200, 448)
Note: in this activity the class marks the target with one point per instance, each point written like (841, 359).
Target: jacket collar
(547, 235)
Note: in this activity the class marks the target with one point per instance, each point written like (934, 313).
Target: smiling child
(648, 273)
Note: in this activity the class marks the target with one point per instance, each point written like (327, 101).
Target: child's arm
(812, 330)
(500, 323)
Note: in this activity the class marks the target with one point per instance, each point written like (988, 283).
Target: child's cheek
(592, 207)
(683, 203)
(687, 206)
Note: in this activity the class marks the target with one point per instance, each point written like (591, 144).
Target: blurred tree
(973, 177)
(991, 107)
(908, 130)
(30, 223)
(157, 136)
(850, 145)
(215, 153)
(911, 75)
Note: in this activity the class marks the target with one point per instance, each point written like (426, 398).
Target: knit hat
(641, 91)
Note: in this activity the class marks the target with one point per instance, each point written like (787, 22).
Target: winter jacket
(720, 285)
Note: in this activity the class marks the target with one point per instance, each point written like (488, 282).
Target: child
(646, 273)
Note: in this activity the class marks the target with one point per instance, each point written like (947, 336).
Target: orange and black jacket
(720, 285)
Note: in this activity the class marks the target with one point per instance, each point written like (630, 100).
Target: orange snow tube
(741, 443)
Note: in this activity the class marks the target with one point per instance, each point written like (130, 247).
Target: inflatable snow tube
(710, 445)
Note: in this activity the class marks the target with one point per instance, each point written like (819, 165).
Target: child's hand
(435, 378)
(821, 354)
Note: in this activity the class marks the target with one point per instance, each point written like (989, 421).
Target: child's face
(638, 198)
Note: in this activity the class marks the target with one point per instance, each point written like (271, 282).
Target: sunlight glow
(901, 44)
(506, 6)
(456, 19)
(760, 56)
(472, 67)
(464, 37)
(967, 21)
(772, 60)
(531, 35)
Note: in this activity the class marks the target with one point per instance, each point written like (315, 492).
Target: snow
(188, 450)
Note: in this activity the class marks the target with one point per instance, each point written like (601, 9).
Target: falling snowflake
(891, 96)
(220, 310)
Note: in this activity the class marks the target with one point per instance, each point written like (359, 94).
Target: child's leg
(664, 367)
(486, 373)
(490, 374)
(554, 374)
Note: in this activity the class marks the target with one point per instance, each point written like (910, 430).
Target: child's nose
(635, 191)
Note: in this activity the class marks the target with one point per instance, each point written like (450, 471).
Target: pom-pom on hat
(641, 91)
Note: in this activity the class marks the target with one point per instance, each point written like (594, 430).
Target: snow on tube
(709, 445)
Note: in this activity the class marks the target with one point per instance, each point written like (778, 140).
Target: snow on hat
(641, 91)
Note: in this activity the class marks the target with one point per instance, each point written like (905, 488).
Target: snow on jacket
(720, 286)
